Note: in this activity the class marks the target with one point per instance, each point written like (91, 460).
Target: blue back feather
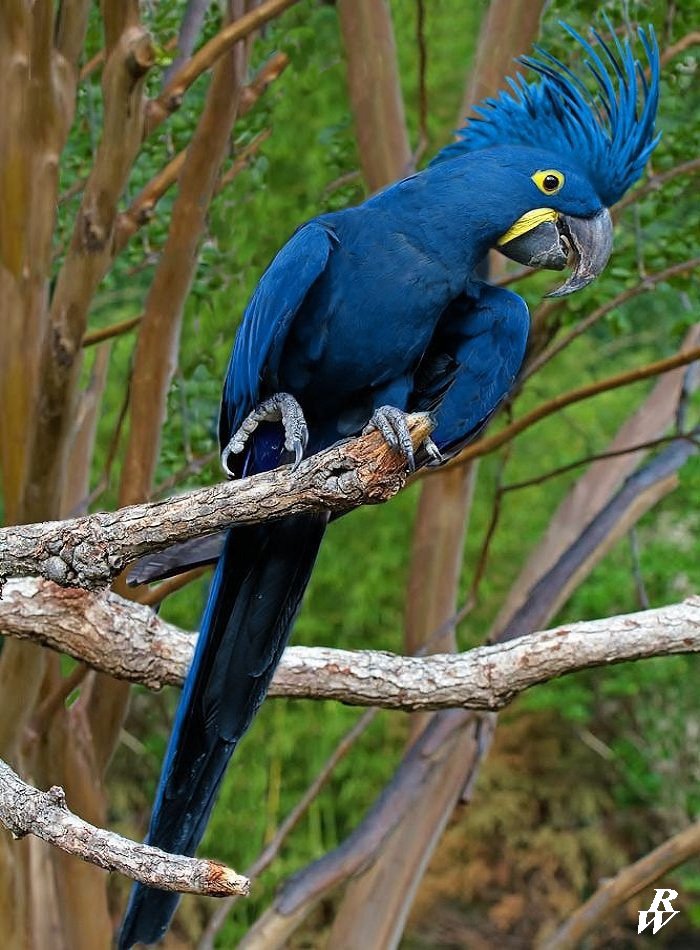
(608, 133)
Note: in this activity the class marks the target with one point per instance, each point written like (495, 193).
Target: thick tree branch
(375, 90)
(128, 641)
(88, 552)
(26, 810)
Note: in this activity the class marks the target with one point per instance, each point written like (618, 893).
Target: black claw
(298, 454)
(433, 452)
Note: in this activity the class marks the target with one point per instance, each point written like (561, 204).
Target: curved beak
(585, 243)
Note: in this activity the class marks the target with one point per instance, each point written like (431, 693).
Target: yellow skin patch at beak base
(528, 221)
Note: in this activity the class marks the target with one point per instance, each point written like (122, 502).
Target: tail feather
(178, 558)
(254, 598)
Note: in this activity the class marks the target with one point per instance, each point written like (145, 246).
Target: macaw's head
(567, 153)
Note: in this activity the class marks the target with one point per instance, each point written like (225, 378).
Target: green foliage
(645, 715)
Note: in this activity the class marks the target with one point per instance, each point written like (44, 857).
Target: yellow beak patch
(530, 220)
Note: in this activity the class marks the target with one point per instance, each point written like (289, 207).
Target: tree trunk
(375, 91)
(376, 904)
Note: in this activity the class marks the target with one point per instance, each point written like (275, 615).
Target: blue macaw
(365, 315)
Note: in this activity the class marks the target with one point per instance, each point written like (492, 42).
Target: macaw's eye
(549, 181)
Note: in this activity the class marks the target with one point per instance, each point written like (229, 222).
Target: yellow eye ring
(549, 181)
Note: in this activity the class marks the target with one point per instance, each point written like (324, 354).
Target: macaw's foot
(278, 408)
(391, 423)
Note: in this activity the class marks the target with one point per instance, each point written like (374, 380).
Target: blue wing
(468, 371)
(475, 356)
(268, 318)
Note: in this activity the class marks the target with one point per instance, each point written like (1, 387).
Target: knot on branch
(56, 796)
(93, 232)
(140, 53)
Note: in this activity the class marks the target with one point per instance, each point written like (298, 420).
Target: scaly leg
(391, 423)
(278, 408)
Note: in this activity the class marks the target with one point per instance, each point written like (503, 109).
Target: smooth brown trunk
(376, 903)
(375, 91)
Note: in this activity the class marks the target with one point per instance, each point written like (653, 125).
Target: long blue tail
(254, 598)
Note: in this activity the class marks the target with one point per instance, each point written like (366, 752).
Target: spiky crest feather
(606, 133)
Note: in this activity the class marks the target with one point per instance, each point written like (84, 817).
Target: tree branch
(597, 457)
(684, 43)
(487, 444)
(299, 894)
(142, 208)
(596, 489)
(26, 810)
(129, 641)
(190, 26)
(242, 160)
(655, 182)
(88, 552)
(158, 342)
(170, 98)
(107, 333)
(639, 493)
(628, 882)
(374, 89)
(645, 285)
(273, 847)
(87, 260)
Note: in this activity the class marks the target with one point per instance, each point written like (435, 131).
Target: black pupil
(551, 182)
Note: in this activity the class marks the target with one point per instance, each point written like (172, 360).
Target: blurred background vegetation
(587, 773)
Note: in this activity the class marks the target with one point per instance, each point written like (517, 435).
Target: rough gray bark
(25, 810)
(89, 552)
(129, 641)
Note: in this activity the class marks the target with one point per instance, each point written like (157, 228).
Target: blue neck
(456, 210)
